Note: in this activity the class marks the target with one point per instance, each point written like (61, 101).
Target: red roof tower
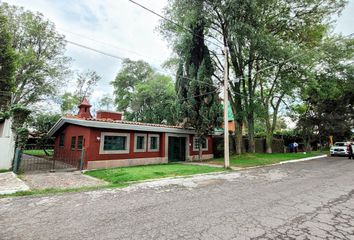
(84, 109)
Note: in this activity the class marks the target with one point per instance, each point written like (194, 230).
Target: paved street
(306, 200)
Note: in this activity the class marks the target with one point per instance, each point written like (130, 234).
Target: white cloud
(116, 27)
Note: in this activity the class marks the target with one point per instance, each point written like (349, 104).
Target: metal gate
(43, 159)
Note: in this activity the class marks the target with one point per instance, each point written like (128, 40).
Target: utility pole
(226, 106)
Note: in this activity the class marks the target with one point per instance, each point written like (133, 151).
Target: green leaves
(7, 65)
(42, 65)
(144, 95)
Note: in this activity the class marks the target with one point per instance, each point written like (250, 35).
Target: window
(140, 143)
(80, 142)
(73, 142)
(61, 140)
(196, 144)
(114, 143)
(154, 142)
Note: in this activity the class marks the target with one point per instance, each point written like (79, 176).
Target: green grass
(260, 159)
(122, 177)
(38, 152)
(125, 175)
(4, 170)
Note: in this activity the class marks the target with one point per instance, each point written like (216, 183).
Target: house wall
(206, 154)
(97, 160)
(7, 145)
(65, 153)
(94, 159)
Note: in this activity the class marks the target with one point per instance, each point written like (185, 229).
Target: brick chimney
(84, 109)
(101, 114)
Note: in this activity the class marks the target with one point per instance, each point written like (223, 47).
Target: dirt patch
(60, 180)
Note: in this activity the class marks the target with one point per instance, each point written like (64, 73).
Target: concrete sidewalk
(10, 183)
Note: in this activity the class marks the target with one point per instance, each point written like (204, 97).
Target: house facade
(109, 141)
(7, 144)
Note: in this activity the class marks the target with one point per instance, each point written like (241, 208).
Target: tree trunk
(251, 143)
(269, 140)
(200, 152)
(238, 138)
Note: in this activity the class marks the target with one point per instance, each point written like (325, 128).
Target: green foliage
(328, 96)
(43, 122)
(85, 82)
(7, 67)
(21, 136)
(105, 103)
(198, 105)
(144, 95)
(154, 101)
(263, 38)
(42, 65)
(20, 115)
(69, 103)
(131, 74)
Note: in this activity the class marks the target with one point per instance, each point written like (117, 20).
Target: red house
(109, 141)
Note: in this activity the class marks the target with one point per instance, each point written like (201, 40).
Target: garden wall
(260, 145)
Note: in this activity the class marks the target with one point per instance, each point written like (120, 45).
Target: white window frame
(158, 142)
(127, 143)
(197, 149)
(136, 135)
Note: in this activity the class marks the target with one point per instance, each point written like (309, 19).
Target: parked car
(339, 148)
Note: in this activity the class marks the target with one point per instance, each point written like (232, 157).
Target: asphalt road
(306, 200)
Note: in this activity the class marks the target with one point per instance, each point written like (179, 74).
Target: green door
(176, 149)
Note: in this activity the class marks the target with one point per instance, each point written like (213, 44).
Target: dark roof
(118, 124)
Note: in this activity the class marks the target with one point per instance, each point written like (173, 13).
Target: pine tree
(198, 104)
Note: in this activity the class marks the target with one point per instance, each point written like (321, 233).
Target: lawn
(38, 152)
(124, 175)
(259, 159)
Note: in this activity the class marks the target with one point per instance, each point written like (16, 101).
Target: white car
(339, 148)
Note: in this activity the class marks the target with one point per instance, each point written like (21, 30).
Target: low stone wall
(124, 162)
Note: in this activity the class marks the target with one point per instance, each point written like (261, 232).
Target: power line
(106, 43)
(175, 75)
(95, 50)
(176, 24)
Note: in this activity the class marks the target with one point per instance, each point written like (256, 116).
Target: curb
(268, 165)
(23, 187)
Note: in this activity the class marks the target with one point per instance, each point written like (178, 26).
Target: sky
(120, 28)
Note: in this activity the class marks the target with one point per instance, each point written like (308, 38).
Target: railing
(46, 158)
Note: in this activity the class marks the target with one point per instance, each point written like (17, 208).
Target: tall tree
(106, 102)
(7, 65)
(253, 30)
(154, 100)
(42, 65)
(85, 82)
(131, 74)
(328, 97)
(198, 101)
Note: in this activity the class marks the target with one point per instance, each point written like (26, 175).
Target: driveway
(304, 200)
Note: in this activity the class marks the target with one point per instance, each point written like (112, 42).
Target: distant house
(7, 144)
(110, 141)
(231, 123)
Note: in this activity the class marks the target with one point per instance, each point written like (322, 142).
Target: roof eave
(116, 125)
